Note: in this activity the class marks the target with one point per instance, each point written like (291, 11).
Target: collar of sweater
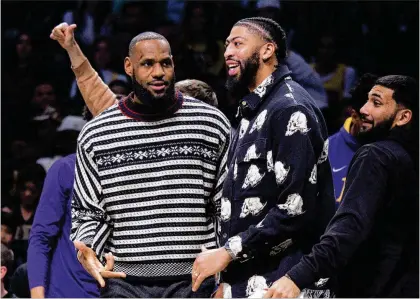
(142, 112)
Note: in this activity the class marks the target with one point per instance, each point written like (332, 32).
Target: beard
(149, 99)
(238, 85)
(377, 133)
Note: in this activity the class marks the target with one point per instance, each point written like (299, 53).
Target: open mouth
(233, 67)
(158, 86)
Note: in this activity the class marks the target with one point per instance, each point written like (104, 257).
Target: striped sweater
(147, 191)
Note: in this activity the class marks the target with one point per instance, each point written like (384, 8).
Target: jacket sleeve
(48, 222)
(294, 163)
(95, 92)
(350, 226)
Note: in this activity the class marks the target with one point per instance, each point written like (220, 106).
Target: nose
(158, 71)
(229, 51)
(364, 111)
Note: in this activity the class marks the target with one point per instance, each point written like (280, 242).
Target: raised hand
(64, 34)
(93, 266)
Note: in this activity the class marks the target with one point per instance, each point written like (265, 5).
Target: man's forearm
(76, 55)
(38, 292)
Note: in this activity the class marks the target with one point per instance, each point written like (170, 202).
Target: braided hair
(270, 31)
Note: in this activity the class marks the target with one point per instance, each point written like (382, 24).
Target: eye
(377, 103)
(237, 44)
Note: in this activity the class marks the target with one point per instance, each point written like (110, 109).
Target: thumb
(203, 248)
(71, 28)
(79, 245)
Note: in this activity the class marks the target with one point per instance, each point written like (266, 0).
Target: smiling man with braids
(278, 194)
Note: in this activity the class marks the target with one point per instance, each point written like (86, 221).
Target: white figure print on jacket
(312, 179)
(262, 88)
(270, 165)
(324, 154)
(243, 128)
(253, 177)
(256, 287)
(225, 209)
(235, 170)
(293, 205)
(251, 153)
(227, 290)
(320, 283)
(251, 205)
(281, 172)
(258, 123)
(297, 122)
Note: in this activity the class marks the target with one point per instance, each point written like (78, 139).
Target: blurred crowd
(334, 42)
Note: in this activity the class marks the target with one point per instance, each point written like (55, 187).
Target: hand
(93, 266)
(208, 263)
(38, 292)
(64, 34)
(283, 288)
(219, 292)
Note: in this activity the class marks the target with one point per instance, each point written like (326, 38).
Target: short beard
(147, 98)
(238, 87)
(376, 133)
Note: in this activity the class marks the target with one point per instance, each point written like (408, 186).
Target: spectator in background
(44, 102)
(6, 268)
(19, 283)
(84, 16)
(53, 269)
(338, 78)
(29, 189)
(202, 54)
(119, 87)
(344, 143)
(7, 229)
(197, 89)
(302, 72)
(101, 61)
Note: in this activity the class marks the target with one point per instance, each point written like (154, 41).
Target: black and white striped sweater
(143, 188)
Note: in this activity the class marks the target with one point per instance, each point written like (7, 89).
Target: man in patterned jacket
(278, 195)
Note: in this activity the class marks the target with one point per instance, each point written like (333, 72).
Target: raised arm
(95, 92)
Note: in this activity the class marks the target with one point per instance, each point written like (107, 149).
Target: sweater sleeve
(48, 222)
(90, 224)
(95, 92)
(353, 221)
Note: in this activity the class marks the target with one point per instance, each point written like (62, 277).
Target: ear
(128, 67)
(3, 271)
(403, 117)
(267, 51)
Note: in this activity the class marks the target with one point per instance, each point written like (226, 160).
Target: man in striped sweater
(149, 175)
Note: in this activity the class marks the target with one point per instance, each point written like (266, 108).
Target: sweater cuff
(302, 276)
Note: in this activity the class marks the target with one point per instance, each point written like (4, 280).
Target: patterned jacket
(278, 195)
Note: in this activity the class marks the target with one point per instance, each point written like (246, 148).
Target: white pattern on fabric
(313, 177)
(262, 88)
(251, 153)
(253, 206)
(281, 172)
(259, 122)
(270, 165)
(244, 126)
(293, 205)
(253, 177)
(225, 209)
(281, 247)
(324, 154)
(297, 123)
(256, 287)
